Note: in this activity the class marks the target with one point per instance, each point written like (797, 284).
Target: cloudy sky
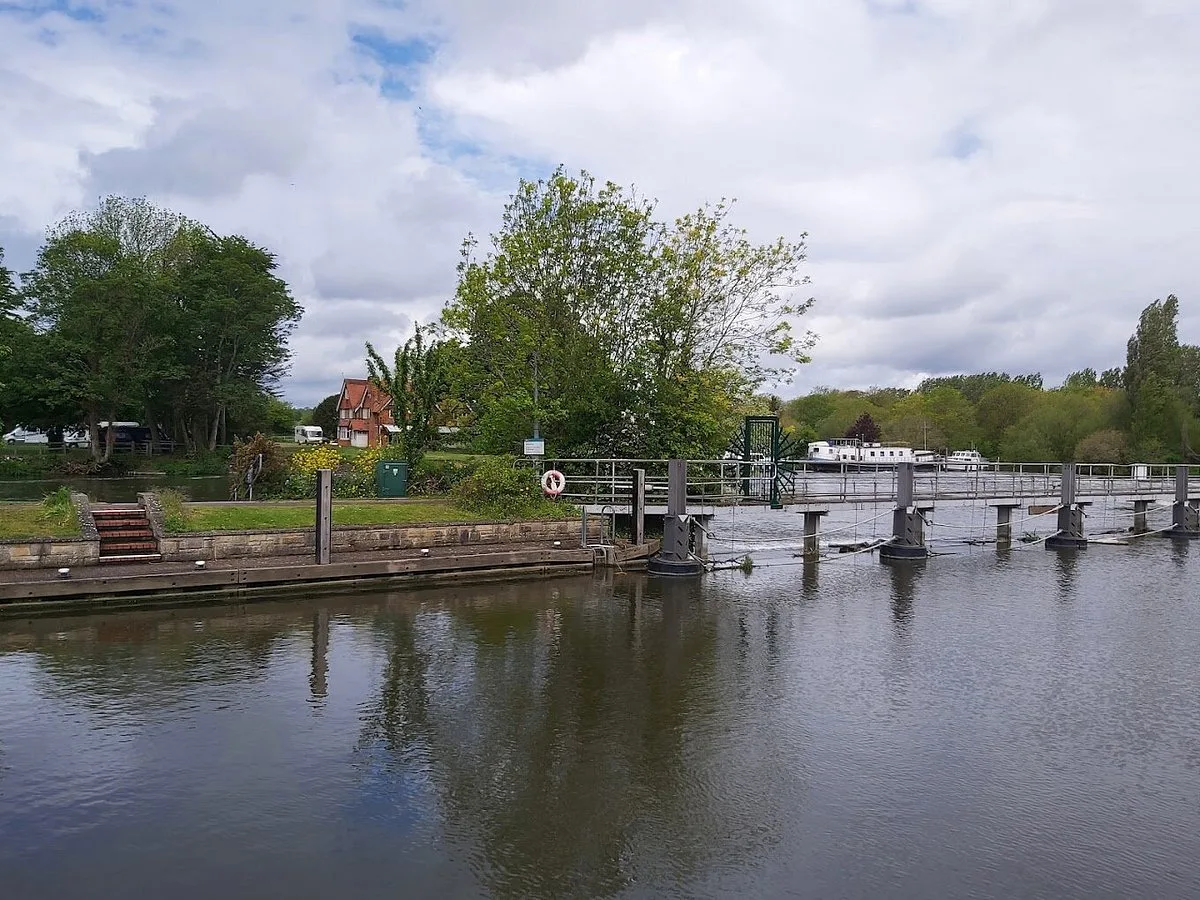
(986, 184)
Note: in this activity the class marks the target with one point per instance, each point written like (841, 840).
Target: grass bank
(20, 521)
(187, 517)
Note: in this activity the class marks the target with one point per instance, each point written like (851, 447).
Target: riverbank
(37, 592)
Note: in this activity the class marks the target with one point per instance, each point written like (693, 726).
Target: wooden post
(638, 507)
(324, 515)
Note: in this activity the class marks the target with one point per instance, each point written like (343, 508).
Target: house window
(345, 414)
(343, 434)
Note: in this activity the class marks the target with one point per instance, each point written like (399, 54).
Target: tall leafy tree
(640, 336)
(98, 308)
(230, 317)
(416, 382)
(1154, 383)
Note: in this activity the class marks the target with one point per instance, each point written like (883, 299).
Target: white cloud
(987, 184)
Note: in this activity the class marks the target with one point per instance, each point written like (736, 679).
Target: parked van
(21, 435)
(309, 434)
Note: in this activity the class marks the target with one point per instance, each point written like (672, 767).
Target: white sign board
(535, 447)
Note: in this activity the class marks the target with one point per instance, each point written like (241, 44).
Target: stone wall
(301, 541)
(56, 552)
(52, 553)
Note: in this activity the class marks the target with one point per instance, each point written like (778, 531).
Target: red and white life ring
(554, 483)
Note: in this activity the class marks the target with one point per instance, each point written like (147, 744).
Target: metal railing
(601, 482)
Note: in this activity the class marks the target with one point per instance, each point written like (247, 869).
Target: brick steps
(125, 534)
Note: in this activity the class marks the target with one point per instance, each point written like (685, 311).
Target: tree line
(1145, 411)
(135, 312)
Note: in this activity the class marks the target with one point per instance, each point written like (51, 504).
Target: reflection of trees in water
(569, 737)
(152, 660)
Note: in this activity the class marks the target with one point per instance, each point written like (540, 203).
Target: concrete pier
(676, 556)
(1070, 516)
(1185, 517)
(1004, 511)
(812, 530)
(908, 522)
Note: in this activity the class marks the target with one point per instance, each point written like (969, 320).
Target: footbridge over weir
(640, 487)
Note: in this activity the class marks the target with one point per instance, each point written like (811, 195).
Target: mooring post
(1070, 516)
(908, 524)
(812, 531)
(1139, 516)
(583, 528)
(1004, 513)
(324, 539)
(675, 558)
(1185, 519)
(638, 507)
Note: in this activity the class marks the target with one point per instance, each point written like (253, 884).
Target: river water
(992, 723)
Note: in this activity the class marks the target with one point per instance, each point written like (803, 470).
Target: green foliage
(57, 508)
(417, 383)
(174, 509)
(1108, 445)
(973, 387)
(142, 314)
(620, 322)
(325, 416)
(438, 476)
(498, 488)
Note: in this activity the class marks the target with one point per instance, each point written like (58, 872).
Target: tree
(628, 326)
(1154, 383)
(230, 317)
(865, 429)
(8, 306)
(998, 410)
(325, 416)
(99, 309)
(1108, 445)
(416, 382)
(1081, 380)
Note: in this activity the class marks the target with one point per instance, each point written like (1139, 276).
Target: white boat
(965, 461)
(851, 453)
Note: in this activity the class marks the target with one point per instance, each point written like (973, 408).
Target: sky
(985, 184)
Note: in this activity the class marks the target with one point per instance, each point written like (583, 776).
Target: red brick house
(364, 415)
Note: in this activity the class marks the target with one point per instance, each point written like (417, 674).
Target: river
(989, 724)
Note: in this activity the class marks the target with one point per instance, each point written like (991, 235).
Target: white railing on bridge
(720, 482)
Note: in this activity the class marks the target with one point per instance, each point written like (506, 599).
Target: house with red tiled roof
(364, 415)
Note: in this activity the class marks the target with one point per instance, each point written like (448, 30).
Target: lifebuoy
(554, 483)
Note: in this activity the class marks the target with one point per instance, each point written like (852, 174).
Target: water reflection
(1066, 563)
(904, 575)
(1180, 548)
(553, 749)
(318, 680)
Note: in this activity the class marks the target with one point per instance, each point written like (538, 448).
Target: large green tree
(229, 316)
(1158, 382)
(639, 336)
(325, 416)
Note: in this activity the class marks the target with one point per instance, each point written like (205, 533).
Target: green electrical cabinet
(391, 478)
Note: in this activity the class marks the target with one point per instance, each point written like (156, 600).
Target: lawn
(32, 520)
(251, 516)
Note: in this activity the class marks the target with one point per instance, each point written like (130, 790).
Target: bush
(364, 463)
(201, 463)
(308, 460)
(501, 490)
(57, 508)
(438, 476)
(274, 466)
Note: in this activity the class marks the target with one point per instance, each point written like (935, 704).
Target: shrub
(364, 463)
(306, 461)
(274, 467)
(498, 488)
(57, 508)
(174, 512)
(438, 476)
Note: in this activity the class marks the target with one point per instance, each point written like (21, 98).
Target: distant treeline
(1146, 411)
